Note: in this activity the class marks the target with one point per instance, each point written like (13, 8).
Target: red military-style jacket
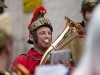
(27, 61)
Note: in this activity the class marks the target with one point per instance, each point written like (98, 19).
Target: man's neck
(3, 63)
(85, 22)
(40, 51)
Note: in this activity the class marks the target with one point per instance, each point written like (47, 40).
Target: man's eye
(42, 33)
(49, 33)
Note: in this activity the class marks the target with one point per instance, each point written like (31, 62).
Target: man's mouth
(46, 40)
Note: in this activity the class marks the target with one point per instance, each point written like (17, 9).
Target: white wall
(57, 10)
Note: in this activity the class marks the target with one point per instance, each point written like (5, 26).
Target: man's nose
(47, 35)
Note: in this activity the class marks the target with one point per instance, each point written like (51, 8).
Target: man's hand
(65, 64)
(61, 62)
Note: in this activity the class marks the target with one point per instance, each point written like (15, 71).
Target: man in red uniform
(40, 30)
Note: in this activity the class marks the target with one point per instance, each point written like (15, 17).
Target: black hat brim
(30, 42)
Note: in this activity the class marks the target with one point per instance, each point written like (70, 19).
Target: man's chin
(46, 47)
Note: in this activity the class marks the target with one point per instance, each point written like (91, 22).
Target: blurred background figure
(77, 45)
(90, 62)
(6, 42)
(87, 7)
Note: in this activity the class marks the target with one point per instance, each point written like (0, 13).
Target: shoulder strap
(30, 56)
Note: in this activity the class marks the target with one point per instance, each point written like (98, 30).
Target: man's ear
(31, 37)
(81, 13)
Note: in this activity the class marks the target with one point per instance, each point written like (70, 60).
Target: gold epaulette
(19, 70)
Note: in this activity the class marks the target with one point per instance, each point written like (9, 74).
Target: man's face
(88, 15)
(42, 34)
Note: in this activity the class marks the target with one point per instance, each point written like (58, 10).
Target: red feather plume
(38, 9)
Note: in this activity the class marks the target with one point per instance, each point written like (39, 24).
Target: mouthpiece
(46, 40)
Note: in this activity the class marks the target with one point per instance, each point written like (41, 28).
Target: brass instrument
(70, 32)
(18, 71)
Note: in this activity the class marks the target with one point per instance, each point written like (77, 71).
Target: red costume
(28, 62)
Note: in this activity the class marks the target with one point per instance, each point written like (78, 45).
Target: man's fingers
(63, 62)
(68, 65)
(56, 62)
